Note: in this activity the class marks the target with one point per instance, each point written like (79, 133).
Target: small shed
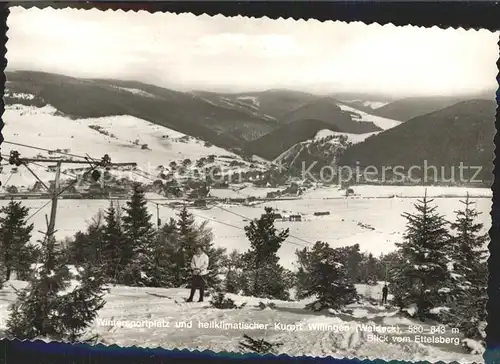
(322, 213)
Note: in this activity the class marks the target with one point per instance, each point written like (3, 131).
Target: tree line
(438, 269)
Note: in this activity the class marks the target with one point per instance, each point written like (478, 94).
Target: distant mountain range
(461, 133)
(283, 123)
(278, 141)
(408, 108)
(227, 120)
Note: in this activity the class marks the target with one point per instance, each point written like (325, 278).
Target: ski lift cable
(245, 217)
(58, 194)
(44, 167)
(48, 150)
(227, 224)
(8, 179)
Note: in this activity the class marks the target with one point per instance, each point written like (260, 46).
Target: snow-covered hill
(124, 138)
(352, 138)
(328, 144)
(155, 317)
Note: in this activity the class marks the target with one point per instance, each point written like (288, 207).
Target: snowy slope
(371, 104)
(374, 223)
(122, 137)
(325, 135)
(353, 138)
(147, 317)
(361, 116)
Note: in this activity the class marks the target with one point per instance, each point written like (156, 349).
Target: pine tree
(79, 307)
(323, 274)
(389, 263)
(35, 312)
(187, 244)
(16, 253)
(425, 250)
(353, 259)
(470, 272)
(165, 272)
(139, 236)
(94, 235)
(234, 282)
(87, 246)
(191, 235)
(369, 269)
(264, 274)
(112, 244)
(168, 251)
(78, 248)
(45, 308)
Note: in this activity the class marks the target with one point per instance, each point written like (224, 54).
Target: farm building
(322, 213)
(277, 216)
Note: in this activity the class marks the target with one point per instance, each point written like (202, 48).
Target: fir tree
(165, 272)
(168, 243)
(79, 308)
(87, 246)
(187, 243)
(353, 260)
(234, 282)
(16, 254)
(387, 263)
(78, 248)
(139, 235)
(112, 244)
(45, 308)
(190, 236)
(35, 312)
(425, 250)
(323, 274)
(264, 274)
(469, 271)
(369, 269)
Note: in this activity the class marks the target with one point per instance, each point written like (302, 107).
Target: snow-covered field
(374, 223)
(122, 137)
(155, 317)
(374, 191)
(383, 123)
(41, 127)
(371, 104)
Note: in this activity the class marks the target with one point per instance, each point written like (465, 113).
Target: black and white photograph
(247, 185)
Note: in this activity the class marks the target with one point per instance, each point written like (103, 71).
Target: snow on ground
(42, 127)
(371, 104)
(379, 121)
(155, 317)
(254, 100)
(374, 104)
(375, 224)
(374, 191)
(18, 95)
(134, 91)
(235, 192)
(353, 138)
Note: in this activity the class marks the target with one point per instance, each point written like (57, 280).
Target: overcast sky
(238, 54)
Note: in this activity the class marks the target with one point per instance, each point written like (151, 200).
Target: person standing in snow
(199, 265)
(385, 290)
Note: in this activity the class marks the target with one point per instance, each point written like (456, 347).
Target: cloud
(189, 52)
